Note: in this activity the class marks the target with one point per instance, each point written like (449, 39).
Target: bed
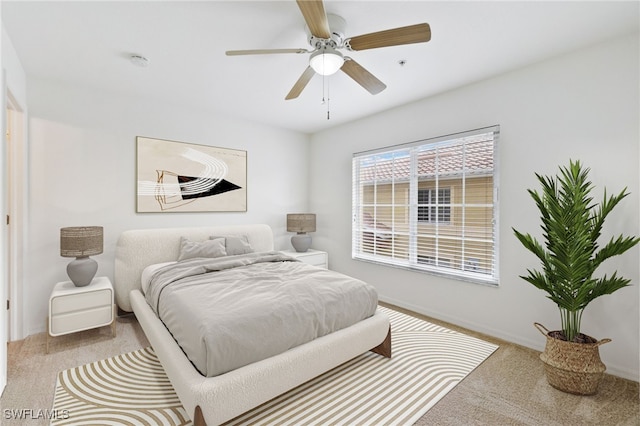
(215, 400)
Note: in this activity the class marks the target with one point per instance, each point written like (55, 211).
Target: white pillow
(148, 272)
(235, 245)
(208, 248)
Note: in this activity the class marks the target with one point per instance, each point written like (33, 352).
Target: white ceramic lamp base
(81, 271)
(301, 242)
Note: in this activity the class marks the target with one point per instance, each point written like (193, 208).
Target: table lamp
(81, 242)
(301, 223)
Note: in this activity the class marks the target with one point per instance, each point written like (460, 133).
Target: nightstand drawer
(312, 257)
(316, 259)
(81, 320)
(84, 301)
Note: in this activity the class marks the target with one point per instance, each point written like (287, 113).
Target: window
(430, 205)
(432, 210)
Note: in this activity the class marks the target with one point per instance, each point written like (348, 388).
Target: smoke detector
(139, 61)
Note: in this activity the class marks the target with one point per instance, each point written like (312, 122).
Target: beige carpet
(508, 388)
(428, 361)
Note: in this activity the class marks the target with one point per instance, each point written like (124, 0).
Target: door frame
(16, 171)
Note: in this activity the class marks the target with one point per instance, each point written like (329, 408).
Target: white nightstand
(312, 257)
(73, 309)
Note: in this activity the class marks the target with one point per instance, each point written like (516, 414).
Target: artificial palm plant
(572, 224)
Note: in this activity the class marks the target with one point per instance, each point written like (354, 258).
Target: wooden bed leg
(198, 418)
(384, 348)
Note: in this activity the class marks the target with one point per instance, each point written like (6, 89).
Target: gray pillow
(236, 244)
(208, 248)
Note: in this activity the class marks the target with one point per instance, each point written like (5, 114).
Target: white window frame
(468, 269)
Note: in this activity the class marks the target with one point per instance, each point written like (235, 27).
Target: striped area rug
(128, 389)
(428, 361)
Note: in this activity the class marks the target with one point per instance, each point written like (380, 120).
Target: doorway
(14, 150)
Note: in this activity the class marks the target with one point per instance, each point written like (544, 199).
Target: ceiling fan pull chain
(324, 77)
(328, 99)
(325, 100)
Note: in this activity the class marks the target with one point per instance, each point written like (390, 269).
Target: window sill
(441, 272)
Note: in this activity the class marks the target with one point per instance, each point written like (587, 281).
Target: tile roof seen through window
(474, 157)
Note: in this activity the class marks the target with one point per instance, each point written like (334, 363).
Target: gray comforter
(232, 311)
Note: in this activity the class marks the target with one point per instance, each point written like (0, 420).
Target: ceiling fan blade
(315, 17)
(418, 33)
(263, 51)
(300, 84)
(363, 77)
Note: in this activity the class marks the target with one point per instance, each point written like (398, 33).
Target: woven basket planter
(572, 367)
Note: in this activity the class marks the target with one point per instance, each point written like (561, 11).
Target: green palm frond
(571, 225)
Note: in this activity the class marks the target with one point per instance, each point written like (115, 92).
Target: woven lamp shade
(80, 241)
(301, 222)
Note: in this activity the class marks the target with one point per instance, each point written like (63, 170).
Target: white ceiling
(89, 43)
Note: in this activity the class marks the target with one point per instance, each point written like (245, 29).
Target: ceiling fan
(326, 37)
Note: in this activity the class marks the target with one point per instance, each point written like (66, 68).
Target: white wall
(82, 172)
(581, 106)
(15, 76)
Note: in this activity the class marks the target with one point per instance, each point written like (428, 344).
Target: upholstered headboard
(139, 248)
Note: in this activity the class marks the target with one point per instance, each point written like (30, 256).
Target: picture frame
(177, 176)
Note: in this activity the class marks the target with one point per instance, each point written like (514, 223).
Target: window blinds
(430, 205)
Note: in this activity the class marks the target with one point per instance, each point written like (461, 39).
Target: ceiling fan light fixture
(326, 61)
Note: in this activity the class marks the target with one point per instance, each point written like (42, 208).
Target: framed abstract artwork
(183, 177)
